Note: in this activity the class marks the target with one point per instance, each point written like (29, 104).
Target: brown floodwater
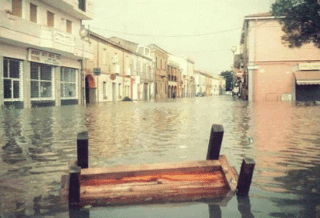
(284, 139)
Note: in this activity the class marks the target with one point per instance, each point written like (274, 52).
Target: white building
(187, 68)
(216, 85)
(200, 81)
(41, 52)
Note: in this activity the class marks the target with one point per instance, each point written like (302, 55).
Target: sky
(204, 30)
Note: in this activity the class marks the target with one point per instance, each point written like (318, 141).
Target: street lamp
(233, 49)
(83, 33)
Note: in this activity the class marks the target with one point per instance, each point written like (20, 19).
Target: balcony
(24, 33)
(81, 9)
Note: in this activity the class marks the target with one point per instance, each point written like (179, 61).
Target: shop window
(17, 8)
(33, 13)
(68, 83)
(11, 81)
(69, 26)
(41, 81)
(50, 19)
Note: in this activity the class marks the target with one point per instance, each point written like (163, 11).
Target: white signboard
(44, 57)
(64, 38)
(309, 66)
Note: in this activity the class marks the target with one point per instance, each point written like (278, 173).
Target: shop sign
(112, 76)
(309, 66)
(44, 57)
(64, 38)
(97, 71)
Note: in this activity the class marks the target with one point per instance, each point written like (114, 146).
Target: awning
(308, 77)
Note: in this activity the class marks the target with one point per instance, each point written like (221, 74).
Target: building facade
(41, 52)
(191, 85)
(188, 85)
(143, 69)
(204, 83)
(160, 71)
(200, 81)
(118, 71)
(174, 80)
(271, 71)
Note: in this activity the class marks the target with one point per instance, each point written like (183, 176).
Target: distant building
(125, 70)
(41, 52)
(174, 79)
(188, 86)
(268, 70)
(160, 71)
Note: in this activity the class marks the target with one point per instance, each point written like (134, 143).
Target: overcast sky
(204, 30)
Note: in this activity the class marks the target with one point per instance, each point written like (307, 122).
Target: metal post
(82, 149)
(245, 176)
(215, 142)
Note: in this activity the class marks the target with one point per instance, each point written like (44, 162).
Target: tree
(229, 77)
(300, 21)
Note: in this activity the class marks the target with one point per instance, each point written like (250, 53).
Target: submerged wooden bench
(203, 180)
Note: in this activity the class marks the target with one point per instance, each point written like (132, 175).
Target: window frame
(15, 11)
(39, 80)
(69, 27)
(12, 79)
(69, 82)
(31, 18)
(49, 13)
(82, 5)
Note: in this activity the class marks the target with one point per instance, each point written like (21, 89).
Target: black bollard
(82, 149)
(74, 187)
(215, 142)
(245, 176)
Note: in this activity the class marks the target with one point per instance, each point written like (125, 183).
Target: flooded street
(284, 139)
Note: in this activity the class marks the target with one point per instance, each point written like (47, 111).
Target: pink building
(271, 70)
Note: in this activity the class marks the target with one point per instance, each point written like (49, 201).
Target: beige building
(41, 52)
(188, 86)
(174, 80)
(160, 71)
(203, 83)
(118, 71)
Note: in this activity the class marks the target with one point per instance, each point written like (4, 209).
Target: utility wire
(171, 36)
(175, 36)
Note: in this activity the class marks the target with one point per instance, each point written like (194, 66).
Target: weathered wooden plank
(119, 172)
(169, 185)
(194, 176)
(231, 176)
(155, 193)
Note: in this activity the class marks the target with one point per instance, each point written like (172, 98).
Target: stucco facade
(124, 72)
(160, 71)
(269, 66)
(41, 52)
(174, 80)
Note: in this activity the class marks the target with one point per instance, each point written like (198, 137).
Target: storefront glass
(68, 83)
(41, 81)
(11, 78)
